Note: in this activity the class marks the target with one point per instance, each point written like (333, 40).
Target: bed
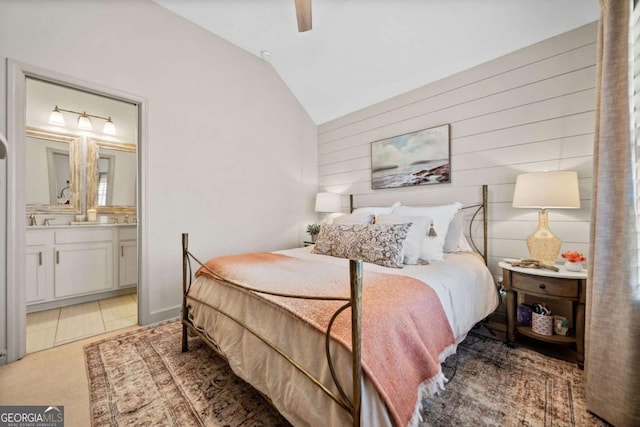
(335, 341)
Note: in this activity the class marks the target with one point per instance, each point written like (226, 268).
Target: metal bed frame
(354, 302)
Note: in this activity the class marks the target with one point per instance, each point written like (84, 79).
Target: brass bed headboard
(479, 207)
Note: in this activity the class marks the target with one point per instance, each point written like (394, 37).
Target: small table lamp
(546, 190)
(328, 203)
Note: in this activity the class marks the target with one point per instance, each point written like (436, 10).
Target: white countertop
(79, 225)
(563, 273)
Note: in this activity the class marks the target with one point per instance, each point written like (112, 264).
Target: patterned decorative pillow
(376, 243)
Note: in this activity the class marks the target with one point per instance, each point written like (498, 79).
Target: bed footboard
(353, 406)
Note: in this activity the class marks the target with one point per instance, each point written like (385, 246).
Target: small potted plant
(574, 260)
(313, 230)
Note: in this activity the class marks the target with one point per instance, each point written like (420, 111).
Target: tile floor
(49, 328)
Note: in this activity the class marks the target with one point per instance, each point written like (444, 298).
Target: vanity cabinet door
(128, 263)
(82, 268)
(36, 274)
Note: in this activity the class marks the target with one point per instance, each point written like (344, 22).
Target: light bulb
(56, 118)
(109, 127)
(84, 123)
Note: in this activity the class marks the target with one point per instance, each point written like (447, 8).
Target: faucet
(32, 220)
(126, 219)
(47, 221)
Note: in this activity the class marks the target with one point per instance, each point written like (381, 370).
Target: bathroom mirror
(53, 172)
(111, 177)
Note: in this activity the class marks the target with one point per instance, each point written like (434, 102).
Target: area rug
(142, 378)
(495, 385)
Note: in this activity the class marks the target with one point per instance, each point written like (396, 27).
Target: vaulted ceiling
(360, 52)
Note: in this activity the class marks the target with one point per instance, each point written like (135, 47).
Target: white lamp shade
(109, 127)
(553, 189)
(84, 123)
(328, 202)
(56, 118)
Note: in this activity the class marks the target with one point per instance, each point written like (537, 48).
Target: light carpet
(142, 378)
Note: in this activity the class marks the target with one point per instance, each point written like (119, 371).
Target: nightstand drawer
(549, 286)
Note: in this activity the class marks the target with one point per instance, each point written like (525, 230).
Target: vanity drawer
(37, 237)
(128, 233)
(83, 235)
(549, 286)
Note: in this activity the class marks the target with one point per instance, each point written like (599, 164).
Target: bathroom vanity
(69, 264)
(72, 177)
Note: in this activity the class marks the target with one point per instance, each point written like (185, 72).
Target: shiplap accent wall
(530, 110)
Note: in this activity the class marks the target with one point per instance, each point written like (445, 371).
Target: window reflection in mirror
(111, 187)
(106, 165)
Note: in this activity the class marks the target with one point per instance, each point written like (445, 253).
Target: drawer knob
(542, 286)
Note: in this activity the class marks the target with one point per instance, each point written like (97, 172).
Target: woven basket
(541, 324)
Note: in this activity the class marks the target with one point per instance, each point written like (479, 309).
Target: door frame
(17, 72)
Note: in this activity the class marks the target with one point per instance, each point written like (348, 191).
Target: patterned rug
(142, 378)
(495, 385)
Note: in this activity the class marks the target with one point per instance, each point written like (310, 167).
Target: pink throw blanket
(405, 332)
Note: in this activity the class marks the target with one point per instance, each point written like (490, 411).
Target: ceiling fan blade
(303, 13)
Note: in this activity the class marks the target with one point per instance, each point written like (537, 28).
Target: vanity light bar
(84, 123)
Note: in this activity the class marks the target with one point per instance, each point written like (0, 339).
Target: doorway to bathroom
(81, 258)
(75, 209)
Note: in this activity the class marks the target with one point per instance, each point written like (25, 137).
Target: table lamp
(328, 203)
(546, 190)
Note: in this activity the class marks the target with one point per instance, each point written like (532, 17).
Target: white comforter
(462, 282)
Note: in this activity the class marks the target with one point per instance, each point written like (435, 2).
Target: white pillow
(432, 247)
(454, 234)
(464, 245)
(362, 218)
(441, 215)
(376, 210)
(415, 236)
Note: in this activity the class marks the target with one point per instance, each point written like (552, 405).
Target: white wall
(231, 155)
(530, 110)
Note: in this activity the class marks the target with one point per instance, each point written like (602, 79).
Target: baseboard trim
(162, 315)
(79, 300)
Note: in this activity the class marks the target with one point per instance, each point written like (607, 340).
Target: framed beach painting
(416, 158)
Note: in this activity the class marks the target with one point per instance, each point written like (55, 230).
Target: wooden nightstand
(561, 285)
